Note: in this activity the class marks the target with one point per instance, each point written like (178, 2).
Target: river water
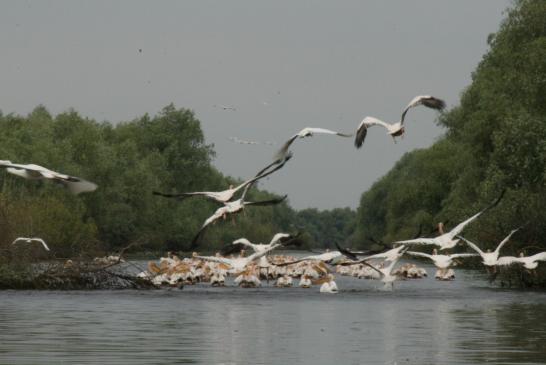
(466, 321)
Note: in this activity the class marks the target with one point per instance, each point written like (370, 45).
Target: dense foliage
(495, 140)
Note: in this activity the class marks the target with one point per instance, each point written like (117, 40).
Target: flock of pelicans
(310, 270)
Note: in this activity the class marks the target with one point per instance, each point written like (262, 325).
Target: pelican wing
(426, 100)
(233, 248)
(457, 255)
(362, 129)
(419, 254)
(506, 239)
(283, 151)
(79, 185)
(267, 202)
(458, 229)
(472, 245)
(539, 256)
(507, 260)
(42, 242)
(304, 132)
(221, 260)
(419, 241)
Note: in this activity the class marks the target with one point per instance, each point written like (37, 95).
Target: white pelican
(305, 132)
(238, 244)
(396, 129)
(74, 184)
(529, 262)
(447, 240)
(239, 264)
(490, 258)
(29, 240)
(385, 271)
(441, 261)
(389, 255)
(231, 208)
(226, 195)
(328, 284)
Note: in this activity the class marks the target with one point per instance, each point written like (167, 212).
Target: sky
(282, 65)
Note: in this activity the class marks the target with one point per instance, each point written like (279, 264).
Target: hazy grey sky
(283, 65)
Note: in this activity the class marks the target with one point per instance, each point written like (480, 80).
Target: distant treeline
(495, 140)
(128, 161)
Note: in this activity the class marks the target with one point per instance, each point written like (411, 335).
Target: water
(421, 322)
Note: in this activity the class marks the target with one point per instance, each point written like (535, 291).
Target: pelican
(226, 195)
(29, 240)
(389, 255)
(396, 129)
(447, 240)
(239, 264)
(441, 261)
(74, 184)
(490, 258)
(232, 208)
(386, 270)
(305, 132)
(328, 284)
(529, 262)
(240, 243)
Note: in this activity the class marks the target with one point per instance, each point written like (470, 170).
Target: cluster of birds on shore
(311, 270)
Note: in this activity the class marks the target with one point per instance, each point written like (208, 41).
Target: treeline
(495, 140)
(128, 161)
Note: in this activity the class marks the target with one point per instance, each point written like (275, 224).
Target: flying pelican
(305, 132)
(74, 184)
(441, 261)
(31, 239)
(231, 208)
(529, 262)
(447, 240)
(489, 258)
(241, 243)
(226, 195)
(389, 255)
(238, 264)
(396, 129)
(385, 271)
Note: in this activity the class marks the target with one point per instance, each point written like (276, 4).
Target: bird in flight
(396, 129)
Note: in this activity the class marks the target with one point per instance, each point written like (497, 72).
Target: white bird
(231, 208)
(328, 284)
(447, 240)
(490, 258)
(441, 261)
(74, 184)
(529, 262)
(385, 271)
(226, 195)
(305, 132)
(396, 129)
(238, 264)
(258, 247)
(30, 240)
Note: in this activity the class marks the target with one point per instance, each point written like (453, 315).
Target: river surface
(466, 321)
